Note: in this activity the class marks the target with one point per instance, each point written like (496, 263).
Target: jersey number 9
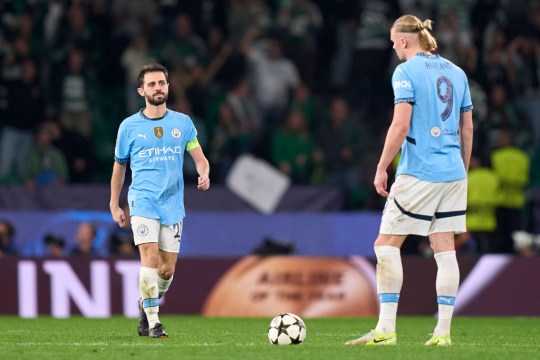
(447, 97)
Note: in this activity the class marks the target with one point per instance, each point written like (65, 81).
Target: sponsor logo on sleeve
(403, 84)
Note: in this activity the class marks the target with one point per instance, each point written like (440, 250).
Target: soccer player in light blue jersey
(154, 141)
(433, 127)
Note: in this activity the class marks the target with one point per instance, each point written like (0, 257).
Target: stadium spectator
(501, 116)
(341, 59)
(243, 105)
(21, 111)
(524, 53)
(245, 14)
(301, 20)
(304, 101)
(74, 96)
(196, 88)
(222, 64)
(78, 31)
(77, 149)
(482, 193)
(131, 20)
(340, 144)
(44, 165)
(292, 148)
(133, 58)
(212, 74)
(17, 53)
(51, 23)
(176, 85)
(27, 33)
(229, 141)
(7, 243)
(370, 53)
(84, 240)
(55, 246)
(512, 166)
(273, 77)
(455, 41)
(185, 48)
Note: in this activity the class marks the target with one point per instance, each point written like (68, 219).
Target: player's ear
(140, 91)
(403, 42)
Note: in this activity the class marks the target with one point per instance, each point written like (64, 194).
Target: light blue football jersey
(155, 149)
(438, 91)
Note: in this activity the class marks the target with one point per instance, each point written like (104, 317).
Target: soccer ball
(287, 329)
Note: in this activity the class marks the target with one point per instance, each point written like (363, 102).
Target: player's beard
(153, 101)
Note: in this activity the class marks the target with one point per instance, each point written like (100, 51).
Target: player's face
(155, 88)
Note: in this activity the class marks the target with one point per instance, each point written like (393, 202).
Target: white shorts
(147, 230)
(423, 208)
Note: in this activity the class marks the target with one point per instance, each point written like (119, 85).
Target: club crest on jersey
(158, 131)
(435, 131)
(176, 133)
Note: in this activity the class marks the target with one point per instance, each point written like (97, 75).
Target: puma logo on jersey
(143, 136)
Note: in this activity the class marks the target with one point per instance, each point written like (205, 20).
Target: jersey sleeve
(122, 148)
(403, 86)
(466, 103)
(191, 131)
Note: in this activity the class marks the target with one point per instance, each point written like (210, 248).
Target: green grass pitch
(193, 337)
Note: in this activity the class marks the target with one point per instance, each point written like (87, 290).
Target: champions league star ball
(287, 329)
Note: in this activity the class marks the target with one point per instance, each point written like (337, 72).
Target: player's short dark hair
(155, 67)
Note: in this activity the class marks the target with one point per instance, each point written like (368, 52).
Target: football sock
(163, 285)
(389, 281)
(148, 286)
(447, 287)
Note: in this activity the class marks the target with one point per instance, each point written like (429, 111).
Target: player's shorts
(147, 230)
(423, 208)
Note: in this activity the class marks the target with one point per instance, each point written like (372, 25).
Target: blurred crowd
(83, 244)
(303, 84)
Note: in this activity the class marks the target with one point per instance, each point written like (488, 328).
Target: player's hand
(380, 182)
(119, 217)
(203, 183)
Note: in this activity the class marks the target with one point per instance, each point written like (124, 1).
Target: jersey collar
(433, 56)
(153, 119)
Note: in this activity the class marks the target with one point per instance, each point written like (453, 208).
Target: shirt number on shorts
(176, 228)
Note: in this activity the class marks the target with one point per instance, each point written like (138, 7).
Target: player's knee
(166, 272)
(390, 240)
(149, 260)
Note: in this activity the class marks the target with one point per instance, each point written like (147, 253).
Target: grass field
(222, 338)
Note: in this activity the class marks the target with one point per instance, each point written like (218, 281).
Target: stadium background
(67, 80)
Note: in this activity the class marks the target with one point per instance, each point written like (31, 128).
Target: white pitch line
(33, 343)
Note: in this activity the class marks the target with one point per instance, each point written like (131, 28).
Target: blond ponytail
(412, 24)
